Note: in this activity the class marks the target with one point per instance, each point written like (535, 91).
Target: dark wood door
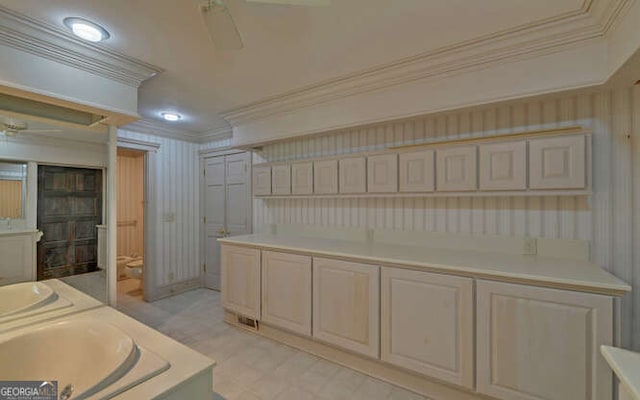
(69, 208)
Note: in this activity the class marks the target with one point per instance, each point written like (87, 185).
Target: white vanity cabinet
(540, 343)
(286, 291)
(261, 181)
(302, 178)
(558, 163)
(325, 177)
(427, 324)
(240, 277)
(456, 169)
(281, 179)
(346, 305)
(353, 175)
(417, 171)
(382, 173)
(503, 166)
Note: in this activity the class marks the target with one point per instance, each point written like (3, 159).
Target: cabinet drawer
(503, 166)
(558, 163)
(325, 177)
(281, 179)
(261, 181)
(353, 176)
(302, 178)
(382, 173)
(417, 171)
(456, 169)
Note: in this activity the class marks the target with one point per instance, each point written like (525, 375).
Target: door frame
(204, 155)
(150, 211)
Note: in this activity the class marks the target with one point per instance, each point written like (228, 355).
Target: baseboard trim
(431, 389)
(175, 288)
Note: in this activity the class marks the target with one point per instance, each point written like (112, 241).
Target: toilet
(134, 269)
(121, 262)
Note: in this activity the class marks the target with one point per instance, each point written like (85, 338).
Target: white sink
(89, 355)
(22, 297)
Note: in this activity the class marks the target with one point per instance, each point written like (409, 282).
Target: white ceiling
(286, 47)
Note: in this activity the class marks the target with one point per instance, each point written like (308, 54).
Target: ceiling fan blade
(222, 29)
(42, 131)
(310, 3)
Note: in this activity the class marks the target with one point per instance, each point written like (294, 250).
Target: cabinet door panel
(503, 166)
(286, 291)
(325, 177)
(240, 275)
(557, 163)
(353, 177)
(281, 179)
(417, 171)
(382, 173)
(302, 178)
(542, 344)
(262, 181)
(456, 169)
(427, 324)
(346, 305)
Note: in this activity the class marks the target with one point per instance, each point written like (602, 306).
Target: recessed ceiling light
(86, 30)
(171, 116)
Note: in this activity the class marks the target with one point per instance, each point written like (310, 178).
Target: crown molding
(592, 20)
(159, 129)
(27, 34)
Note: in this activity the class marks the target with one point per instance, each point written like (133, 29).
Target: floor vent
(247, 322)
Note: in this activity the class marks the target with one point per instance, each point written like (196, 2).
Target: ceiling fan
(12, 127)
(220, 23)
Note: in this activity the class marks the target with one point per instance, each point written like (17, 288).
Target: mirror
(13, 190)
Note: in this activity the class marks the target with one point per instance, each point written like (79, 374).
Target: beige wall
(130, 203)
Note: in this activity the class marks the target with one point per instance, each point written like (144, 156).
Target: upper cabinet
(353, 177)
(417, 171)
(503, 166)
(382, 173)
(302, 178)
(281, 179)
(325, 177)
(456, 169)
(261, 181)
(557, 163)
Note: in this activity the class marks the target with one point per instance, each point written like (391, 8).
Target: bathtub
(87, 357)
(26, 299)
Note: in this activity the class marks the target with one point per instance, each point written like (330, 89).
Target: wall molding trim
(42, 39)
(138, 144)
(592, 20)
(175, 289)
(160, 129)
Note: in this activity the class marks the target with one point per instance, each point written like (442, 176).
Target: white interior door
(227, 207)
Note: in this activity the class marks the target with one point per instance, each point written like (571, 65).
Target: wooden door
(69, 208)
(503, 166)
(227, 207)
(281, 179)
(346, 308)
(241, 280)
(382, 173)
(558, 163)
(542, 344)
(427, 324)
(456, 169)
(286, 291)
(353, 175)
(302, 178)
(215, 204)
(262, 181)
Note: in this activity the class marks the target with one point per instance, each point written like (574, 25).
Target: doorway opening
(131, 213)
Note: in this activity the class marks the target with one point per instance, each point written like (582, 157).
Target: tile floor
(250, 367)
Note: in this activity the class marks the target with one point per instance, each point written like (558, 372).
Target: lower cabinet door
(346, 309)
(240, 276)
(427, 324)
(286, 291)
(542, 344)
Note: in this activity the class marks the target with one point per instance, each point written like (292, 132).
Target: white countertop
(550, 272)
(626, 365)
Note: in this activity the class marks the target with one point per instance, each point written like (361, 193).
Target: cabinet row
(535, 164)
(508, 341)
